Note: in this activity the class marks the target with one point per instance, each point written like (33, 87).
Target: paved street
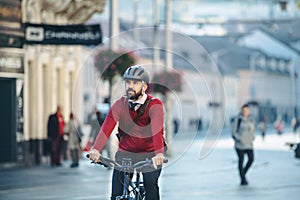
(189, 174)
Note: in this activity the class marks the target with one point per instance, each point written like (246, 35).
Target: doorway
(8, 120)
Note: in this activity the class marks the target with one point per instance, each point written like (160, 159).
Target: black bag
(297, 151)
(238, 126)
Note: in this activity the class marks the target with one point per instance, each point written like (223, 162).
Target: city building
(37, 74)
(12, 57)
(223, 64)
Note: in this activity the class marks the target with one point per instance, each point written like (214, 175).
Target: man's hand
(95, 155)
(158, 160)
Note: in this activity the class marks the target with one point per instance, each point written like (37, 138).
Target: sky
(193, 11)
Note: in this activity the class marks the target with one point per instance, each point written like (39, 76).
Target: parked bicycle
(295, 146)
(133, 189)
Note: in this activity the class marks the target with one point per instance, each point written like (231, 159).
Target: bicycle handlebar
(111, 163)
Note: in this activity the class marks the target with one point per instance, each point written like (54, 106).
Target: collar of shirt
(139, 102)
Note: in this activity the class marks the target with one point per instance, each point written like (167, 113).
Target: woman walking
(244, 135)
(72, 129)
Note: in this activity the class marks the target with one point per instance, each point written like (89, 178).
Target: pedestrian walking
(55, 131)
(96, 122)
(95, 127)
(295, 124)
(279, 125)
(244, 134)
(73, 131)
(262, 127)
(140, 133)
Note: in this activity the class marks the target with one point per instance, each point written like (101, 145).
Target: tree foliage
(165, 81)
(110, 63)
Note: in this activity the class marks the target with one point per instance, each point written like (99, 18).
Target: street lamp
(114, 25)
(156, 56)
(136, 22)
(252, 66)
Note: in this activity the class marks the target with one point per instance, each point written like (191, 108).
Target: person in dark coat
(55, 129)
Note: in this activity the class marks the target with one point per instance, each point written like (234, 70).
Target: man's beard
(133, 96)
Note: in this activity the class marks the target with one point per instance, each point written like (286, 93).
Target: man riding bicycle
(140, 133)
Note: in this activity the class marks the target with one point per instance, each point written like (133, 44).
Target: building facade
(12, 57)
(36, 78)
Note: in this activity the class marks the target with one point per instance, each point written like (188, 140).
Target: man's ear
(145, 86)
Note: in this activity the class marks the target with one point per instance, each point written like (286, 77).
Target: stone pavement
(275, 174)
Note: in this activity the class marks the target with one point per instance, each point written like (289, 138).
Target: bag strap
(141, 110)
(238, 124)
(236, 127)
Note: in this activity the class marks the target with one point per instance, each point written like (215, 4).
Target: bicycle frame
(139, 187)
(130, 171)
(137, 191)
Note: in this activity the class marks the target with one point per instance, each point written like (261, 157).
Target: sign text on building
(63, 35)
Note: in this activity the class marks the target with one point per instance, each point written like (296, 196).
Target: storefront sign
(63, 35)
(11, 62)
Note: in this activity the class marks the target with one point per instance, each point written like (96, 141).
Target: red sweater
(144, 136)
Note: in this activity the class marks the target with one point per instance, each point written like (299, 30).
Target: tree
(165, 81)
(111, 64)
